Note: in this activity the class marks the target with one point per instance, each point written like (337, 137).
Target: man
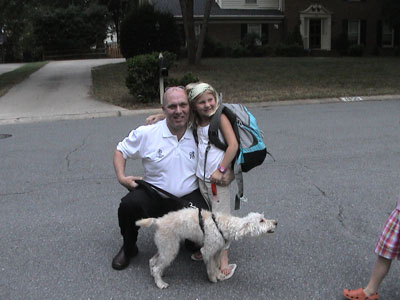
(169, 156)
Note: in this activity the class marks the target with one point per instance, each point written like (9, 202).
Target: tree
(194, 53)
(391, 12)
(145, 30)
(118, 10)
(71, 28)
(207, 11)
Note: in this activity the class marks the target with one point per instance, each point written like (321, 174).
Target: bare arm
(154, 118)
(230, 152)
(119, 167)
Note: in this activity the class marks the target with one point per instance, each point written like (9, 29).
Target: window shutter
(243, 30)
(265, 33)
(396, 41)
(379, 29)
(345, 25)
(363, 32)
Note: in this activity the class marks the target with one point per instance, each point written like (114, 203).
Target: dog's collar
(216, 224)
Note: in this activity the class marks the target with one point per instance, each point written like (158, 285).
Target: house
(323, 24)
(231, 20)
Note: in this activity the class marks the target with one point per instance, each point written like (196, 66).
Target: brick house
(322, 23)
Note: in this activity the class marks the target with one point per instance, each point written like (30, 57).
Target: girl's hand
(216, 177)
(154, 118)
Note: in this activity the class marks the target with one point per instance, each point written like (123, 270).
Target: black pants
(142, 203)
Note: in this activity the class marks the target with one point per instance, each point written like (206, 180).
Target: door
(315, 34)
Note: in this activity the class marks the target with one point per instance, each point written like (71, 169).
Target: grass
(9, 79)
(270, 78)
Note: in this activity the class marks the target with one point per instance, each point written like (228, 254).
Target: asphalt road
(334, 183)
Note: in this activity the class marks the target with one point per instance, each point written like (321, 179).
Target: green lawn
(9, 79)
(271, 78)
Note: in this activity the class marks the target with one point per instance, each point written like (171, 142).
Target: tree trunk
(188, 24)
(200, 45)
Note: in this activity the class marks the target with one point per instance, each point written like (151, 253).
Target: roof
(173, 7)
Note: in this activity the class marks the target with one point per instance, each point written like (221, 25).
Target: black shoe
(121, 260)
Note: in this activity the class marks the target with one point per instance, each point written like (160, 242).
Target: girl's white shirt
(214, 156)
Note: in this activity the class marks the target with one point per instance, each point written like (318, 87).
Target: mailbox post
(163, 72)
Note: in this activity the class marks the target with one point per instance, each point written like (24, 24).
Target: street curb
(126, 112)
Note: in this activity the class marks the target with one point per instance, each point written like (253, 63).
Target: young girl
(387, 249)
(213, 162)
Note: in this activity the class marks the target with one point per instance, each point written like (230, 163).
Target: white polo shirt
(169, 164)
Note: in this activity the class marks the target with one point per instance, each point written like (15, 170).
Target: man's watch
(221, 169)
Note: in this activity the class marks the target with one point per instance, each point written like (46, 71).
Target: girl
(213, 162)
(387, 249)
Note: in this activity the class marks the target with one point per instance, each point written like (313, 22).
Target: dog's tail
(146, 222)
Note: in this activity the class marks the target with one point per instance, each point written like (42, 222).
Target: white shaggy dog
(212, 231)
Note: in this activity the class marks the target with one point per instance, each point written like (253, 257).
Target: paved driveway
(4, 68)
(59, 90)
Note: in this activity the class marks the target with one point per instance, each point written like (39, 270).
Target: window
(255, 29)
(251, 1)
(353, 32)
(387, 35)
(197, 29)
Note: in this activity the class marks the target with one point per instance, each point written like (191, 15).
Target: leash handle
(168, 194)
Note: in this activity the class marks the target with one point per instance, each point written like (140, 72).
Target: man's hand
(129, 181)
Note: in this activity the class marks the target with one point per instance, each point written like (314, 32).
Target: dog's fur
(177, 226)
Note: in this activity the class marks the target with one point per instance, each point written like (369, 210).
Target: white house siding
(241, 4)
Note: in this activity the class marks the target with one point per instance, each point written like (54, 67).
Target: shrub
(341, 44)
(145, 30)
(295, 38)
(355, 50)
(143, 75)
(238, 51)
(250, 41)
(183, 81)
(213, 48)
(289, 50)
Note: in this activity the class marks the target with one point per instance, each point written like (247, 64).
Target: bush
(143, 75)
(213, 48)
(355, 50)
(183, 81)
(295, 38)
(145, 30)
(239, 51)
(289, 50)
(341, 44)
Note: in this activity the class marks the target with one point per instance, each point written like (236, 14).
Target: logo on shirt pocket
(159, 154)
(191, 155)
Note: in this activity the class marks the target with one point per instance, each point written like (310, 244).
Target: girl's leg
(224, 267)
(381, 268)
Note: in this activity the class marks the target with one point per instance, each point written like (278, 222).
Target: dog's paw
(162, 285)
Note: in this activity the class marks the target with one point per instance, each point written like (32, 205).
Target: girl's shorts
(388, 245)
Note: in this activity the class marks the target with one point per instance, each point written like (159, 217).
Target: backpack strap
(239, 180)
(214, 127)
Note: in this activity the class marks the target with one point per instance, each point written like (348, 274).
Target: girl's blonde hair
(194, 91)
